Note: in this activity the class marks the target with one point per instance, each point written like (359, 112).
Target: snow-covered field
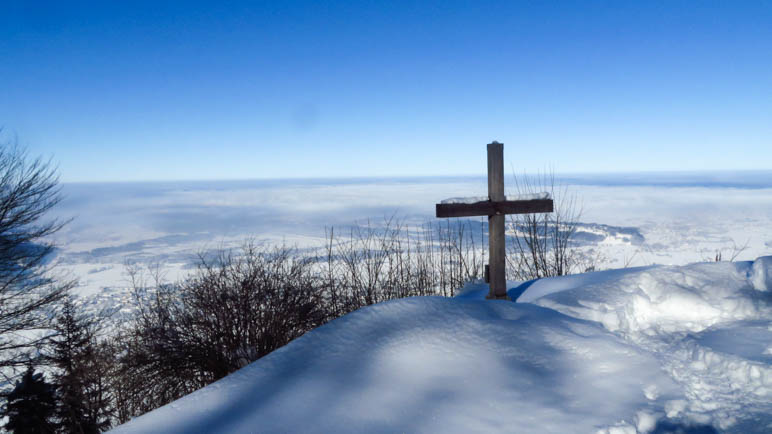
(639, 350)
(631, 220)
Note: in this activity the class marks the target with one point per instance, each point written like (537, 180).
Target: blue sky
(160, 90)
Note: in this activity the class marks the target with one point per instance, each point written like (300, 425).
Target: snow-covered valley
(624, 220)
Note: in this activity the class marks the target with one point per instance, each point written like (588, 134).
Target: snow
(656, 299)
(650, 349)
(707, 324)
(465, 200)
(761, 273)
(475, 199)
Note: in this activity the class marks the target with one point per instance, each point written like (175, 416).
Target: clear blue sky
(161, 90)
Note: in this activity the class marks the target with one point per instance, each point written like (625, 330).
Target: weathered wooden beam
(496, 238)
(496, 172)
(493, 208)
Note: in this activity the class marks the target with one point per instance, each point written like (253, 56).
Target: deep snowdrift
(637, 350)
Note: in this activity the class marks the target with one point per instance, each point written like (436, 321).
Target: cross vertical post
(495, 208)
(497, 254)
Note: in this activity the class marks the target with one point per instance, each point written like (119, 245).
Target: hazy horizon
(681, 217)
(727, 178)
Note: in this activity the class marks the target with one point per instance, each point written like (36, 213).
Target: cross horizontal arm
(494, 208)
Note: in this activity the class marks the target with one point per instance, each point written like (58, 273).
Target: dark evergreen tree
(31, 405)
(82, 406)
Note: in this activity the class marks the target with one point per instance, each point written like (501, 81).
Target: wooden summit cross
(495, 208)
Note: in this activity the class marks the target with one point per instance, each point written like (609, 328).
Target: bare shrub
(734, 252)
(235, 309)
(375, 264)
(28, 191)
(238, 307)
(541, 245)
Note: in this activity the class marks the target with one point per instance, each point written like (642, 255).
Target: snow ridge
(709, 324)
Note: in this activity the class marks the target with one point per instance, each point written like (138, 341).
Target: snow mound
(651, 349)
(708, 324)
(432, 365)
(761, 273)
(658, 300)
(664, 299)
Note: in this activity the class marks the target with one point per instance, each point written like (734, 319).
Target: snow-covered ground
(639, 350)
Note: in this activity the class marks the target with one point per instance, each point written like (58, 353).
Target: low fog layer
(639, 219)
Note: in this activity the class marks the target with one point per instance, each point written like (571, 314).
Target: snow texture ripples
(709, 324)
